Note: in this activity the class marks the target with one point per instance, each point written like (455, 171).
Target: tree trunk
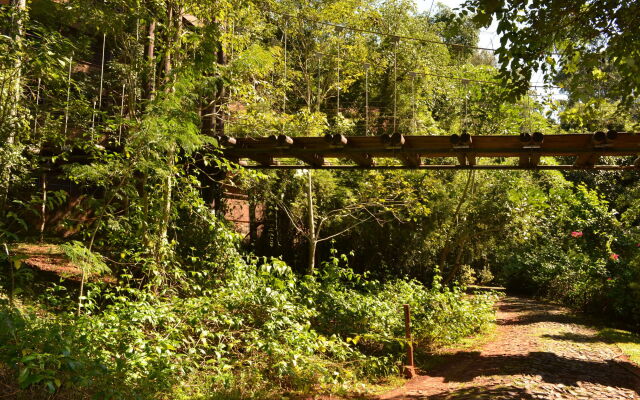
(167, 56)
(447, 248)
(168, 188)
(21, 9)
(166, 209)
(11, 277)
(460, 244)
(312, 229)
(151, 60)
(14, 98)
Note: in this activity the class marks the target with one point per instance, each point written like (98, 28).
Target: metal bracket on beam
(463, 142)
(313, 159)
(226, 141)
(533, 143)
(263, 159)
(363, 160)
(411, 160)
(281, 141)
(600, 141)
(336, 141)
(395, 141)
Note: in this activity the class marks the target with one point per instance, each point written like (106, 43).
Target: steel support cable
(104, 45)
(35, 117)
(366, 98)
(465, 84)
(284, 91)
(395, 84)
(66, 112)
(451, 77)
(338, 63)
(121, 113)
(319, 93)
(372, 32)
(414, 126)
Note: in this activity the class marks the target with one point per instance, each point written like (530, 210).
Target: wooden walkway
(584, 151)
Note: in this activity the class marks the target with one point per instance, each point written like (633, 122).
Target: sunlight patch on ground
(628, 342)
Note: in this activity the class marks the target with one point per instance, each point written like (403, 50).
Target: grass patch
(627, 341)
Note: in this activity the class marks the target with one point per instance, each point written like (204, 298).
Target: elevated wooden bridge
(397, 151)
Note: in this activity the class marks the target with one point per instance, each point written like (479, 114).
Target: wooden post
(11, 277)
(409, 368)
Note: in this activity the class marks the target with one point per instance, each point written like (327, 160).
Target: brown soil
(50, 259)
(539, 352)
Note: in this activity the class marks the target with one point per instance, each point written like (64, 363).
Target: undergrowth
(256, 332)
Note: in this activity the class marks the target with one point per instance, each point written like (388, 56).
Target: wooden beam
(363, 150)
(452, 167)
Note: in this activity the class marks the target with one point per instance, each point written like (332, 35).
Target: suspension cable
(104, 44)
(339, 60)
(35, 117)
(66, 112)
(366, 98)
(395, 83)
(284, 91)
(319, 93)
(121, 114)
(413, 102)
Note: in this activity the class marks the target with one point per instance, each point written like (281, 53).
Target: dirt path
(539, 352)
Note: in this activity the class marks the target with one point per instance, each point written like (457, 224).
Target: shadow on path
(540, 351)
(549, 366)
(473, 393)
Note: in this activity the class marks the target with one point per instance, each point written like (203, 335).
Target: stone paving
(539, 352)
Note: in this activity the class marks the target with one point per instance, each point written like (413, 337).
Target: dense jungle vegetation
(110, 117)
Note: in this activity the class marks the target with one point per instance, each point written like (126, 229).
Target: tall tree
(12, 104)
(568, 37)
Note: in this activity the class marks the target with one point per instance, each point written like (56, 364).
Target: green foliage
(572, 38)
(131, 160)
(89, 262)
(261, 326)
